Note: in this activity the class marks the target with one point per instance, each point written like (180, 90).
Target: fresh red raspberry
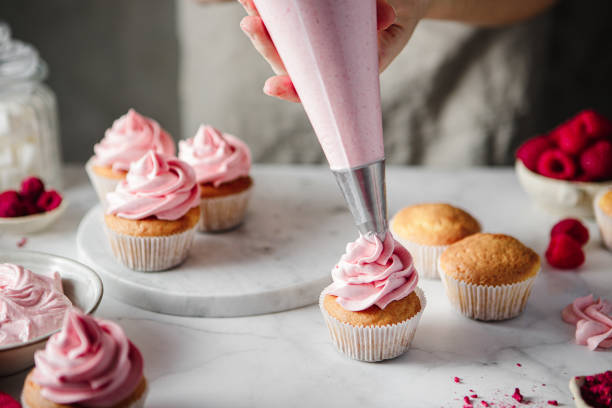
(49, 200)
(564, 252)
(529, 152)
(573, 228)
(556, 164)
(592, 124)
(571, 141)
(6, 401)
(10, 209)
(596, 161)
(31, 189)
(28, 208)
(10, 196)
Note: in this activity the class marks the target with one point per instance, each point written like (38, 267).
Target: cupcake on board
(426, 230)
(603, 214)
(153, 214)
(222, 163)
(130, 137)
(489, 276)
(373, 307)
(89, 363)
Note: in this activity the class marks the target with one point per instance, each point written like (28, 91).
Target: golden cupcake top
(605, 203)
(490, 259)
(433, 224)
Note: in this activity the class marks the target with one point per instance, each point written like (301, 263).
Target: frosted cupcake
(153, 214)
(373, 306)
(603, 214)
(130, 137)
(489, 276)
(222, 164)
(89, 363)
(426, 230)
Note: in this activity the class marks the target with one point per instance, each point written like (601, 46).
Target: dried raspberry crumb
(21, 243)
(474, 395)
(597, 390)
(517, 395)
(471, 390)
(466, 399)
(519, 365)
(484, 403)
(553, 402)
(457, 380)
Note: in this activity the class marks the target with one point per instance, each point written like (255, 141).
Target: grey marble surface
(287, 359)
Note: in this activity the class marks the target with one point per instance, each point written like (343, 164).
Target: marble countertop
(287, 359)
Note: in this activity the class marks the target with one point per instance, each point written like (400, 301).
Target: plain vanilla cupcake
(89, 363)
(222, 164)
(489, 276)
(426, 230)
(373, 306)
(603, 214)
(130, 137)
(153, 214)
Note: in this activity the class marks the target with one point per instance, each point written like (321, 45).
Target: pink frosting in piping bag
(155, 186)
(372, 272)
(216, 157)
(31, 305)
(130, 137)
(593, 321)
(90, 362)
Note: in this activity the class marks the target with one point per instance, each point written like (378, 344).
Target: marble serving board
(280, 258)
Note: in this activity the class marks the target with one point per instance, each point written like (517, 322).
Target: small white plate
(32, 223)
(81, 284)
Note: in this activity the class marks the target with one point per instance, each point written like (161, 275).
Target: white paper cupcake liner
(483, 302)
(604, 221)
(222, 213)
(425, 257)
(102, 185)
(151, 254)
(139, 403)
(373, 343)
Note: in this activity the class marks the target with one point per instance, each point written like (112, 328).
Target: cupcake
(373, 306)
(89, 363)
(489, 276)
(130, 137)
(603, 214)
(153, 214)
(222, 163)
(426, 230)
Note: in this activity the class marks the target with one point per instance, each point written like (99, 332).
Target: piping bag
(330, 51)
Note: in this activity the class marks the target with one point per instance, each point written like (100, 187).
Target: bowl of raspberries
(29, 209)
(565, 169)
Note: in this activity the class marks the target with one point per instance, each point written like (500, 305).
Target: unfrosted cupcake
(426, 230)
(373, 306)
(153, 214)
(489, 276)
(89, 363)
(222, 163)
(603, 214)
(130, 137)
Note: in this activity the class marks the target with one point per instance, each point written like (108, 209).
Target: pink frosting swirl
(372, 272)
(90, 362)
(155, 186)
(216, 157)
(593, 321)
(31, 305)
(130, 137)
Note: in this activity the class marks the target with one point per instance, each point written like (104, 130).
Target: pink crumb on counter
(457, 380)
(21, 243)
(517, 395)
(553, 402)
(484, 403)
(519, 365)
(474, 395)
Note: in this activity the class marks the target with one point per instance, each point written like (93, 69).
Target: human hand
(396, 21)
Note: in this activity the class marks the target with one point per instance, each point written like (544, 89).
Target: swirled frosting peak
(90, 362)
(155, 186)
(593, 320)
(373, 272)
(216, 157)
(31, 305)
(130, 137)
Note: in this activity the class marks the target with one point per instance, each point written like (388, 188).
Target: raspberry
(10, 209)
(530, 151)
(564, 252)
(596, 161)
(10, 196)
(29, 208)
(573, 228)
(592, 125)
(6, 401)
(556, 164)
(49, 200)
(31, 189)
(570, 141)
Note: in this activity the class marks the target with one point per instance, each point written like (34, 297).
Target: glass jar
(29, 132)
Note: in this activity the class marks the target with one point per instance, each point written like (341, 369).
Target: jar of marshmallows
(29, 139)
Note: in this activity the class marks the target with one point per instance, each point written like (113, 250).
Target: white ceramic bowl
(32, 223)
(574, 386)
(81, 284)
(560, 197)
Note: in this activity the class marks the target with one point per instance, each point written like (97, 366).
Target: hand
(396, 20)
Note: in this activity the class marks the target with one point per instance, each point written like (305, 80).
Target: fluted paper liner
(373, 343)
(424, 257)
(604, 221)
(222, 213)
(484, 302)
(102, 185)
(139, 403)
(151, 254)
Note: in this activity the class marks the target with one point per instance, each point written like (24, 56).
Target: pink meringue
(593, 321)
(372, 272)
(216, 157)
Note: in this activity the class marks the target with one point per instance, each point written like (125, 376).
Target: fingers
(254, 28)
(249, 6)
(281, 87)
(385, 15)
